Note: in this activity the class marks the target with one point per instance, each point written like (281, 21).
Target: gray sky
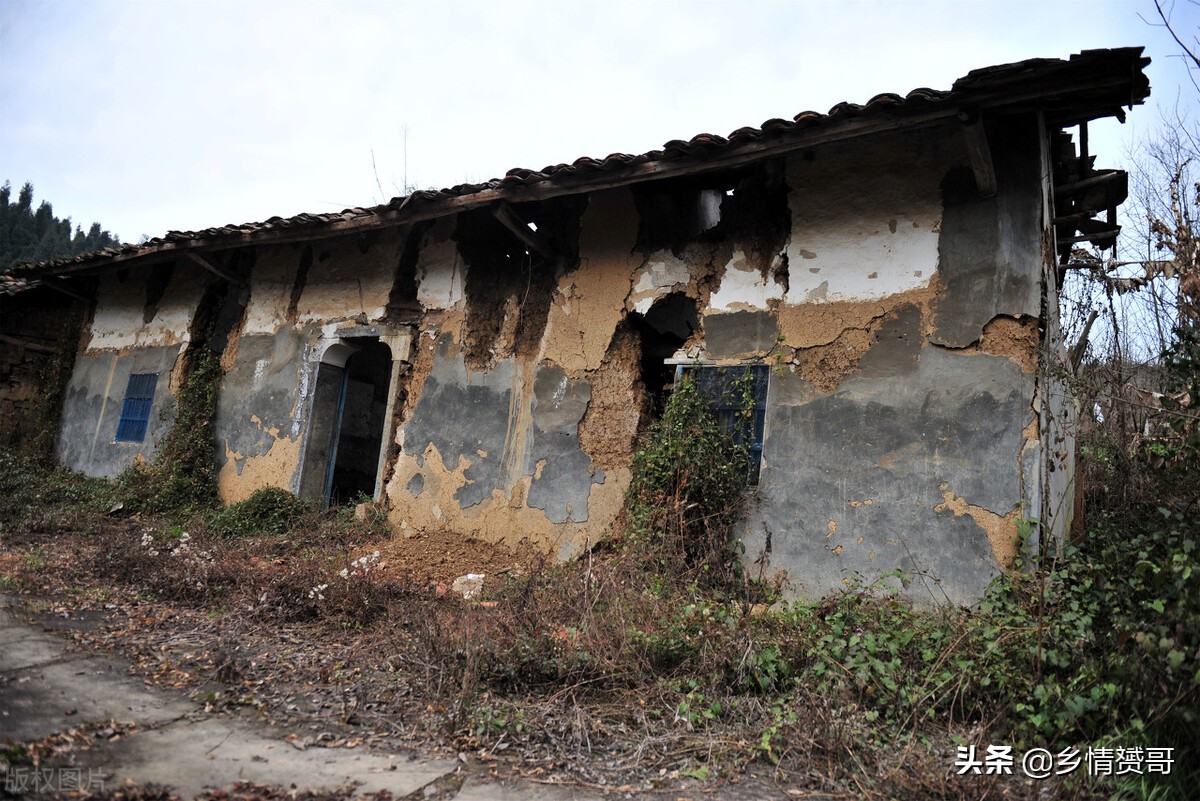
(156, 116)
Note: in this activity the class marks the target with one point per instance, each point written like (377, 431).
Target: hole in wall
(671, 216)
(508, 290)
(663, 330)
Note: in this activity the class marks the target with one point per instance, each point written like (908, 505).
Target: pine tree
(29, 235)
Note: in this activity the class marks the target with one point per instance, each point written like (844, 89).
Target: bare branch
(1167, 22)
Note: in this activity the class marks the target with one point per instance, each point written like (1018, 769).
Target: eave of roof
(1088, 85)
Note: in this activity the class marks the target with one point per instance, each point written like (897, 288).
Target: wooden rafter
(509, 218)
(979, 153)
(60, 286)
(214, 269)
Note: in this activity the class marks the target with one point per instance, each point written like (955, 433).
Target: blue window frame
(135, 411)
(720, 384)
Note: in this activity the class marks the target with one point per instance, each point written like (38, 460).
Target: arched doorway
(355, 454)
(349, 415)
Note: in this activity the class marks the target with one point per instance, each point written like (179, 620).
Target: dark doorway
(346, 430)
(359, 421)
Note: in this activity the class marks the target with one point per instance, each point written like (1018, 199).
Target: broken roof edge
(1089, 85)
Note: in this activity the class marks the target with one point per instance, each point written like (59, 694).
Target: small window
(135, 411)
(723, 385)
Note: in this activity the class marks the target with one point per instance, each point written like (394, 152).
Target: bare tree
(1190, 51)
(1134, 316)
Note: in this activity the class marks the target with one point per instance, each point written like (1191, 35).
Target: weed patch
(612, 667)
(268, 511)
(689, 488)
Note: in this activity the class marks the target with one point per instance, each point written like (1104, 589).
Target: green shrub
(269, 510)
(688, 487)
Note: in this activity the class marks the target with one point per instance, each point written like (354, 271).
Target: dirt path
(111, 729)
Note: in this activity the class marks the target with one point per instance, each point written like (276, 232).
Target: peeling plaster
(1001, 530)
(863, 220)
(346, 283)
(830, 339)
(1016, 338)
(241, 475)
(744, 287)
(119, 323)
(814, 324)
(440, 269)
(662, 273)
(589, 301)
(270, 289)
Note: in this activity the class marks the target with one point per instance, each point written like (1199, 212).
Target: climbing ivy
(689, 485)
(183, 475)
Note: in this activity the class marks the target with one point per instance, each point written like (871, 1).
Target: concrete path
(47, 686)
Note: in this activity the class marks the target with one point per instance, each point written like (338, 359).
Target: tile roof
(12, 285)
(1091, 84)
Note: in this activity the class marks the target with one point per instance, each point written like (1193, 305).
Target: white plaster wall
(172, 319)
(440, 269)
(271, 289)
(118, 317)
(744, 287)
(865, 222)
(344, 283)
(119, 322)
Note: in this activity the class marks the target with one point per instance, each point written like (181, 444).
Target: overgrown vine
(689, 483)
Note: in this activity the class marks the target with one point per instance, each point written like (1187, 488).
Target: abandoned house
(481, 359)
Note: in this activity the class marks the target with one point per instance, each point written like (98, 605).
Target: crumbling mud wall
(141, 324)
(898, 309)
(513, 356)
(904, 395)
(39, 333)
(307, 304)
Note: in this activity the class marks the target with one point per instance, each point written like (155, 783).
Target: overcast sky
(157, 116)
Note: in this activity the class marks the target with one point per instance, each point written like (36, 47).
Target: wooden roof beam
(1097, 179)
(60, 286)
(978, 152)
(33, 346)
(509, 218)
(214, 269)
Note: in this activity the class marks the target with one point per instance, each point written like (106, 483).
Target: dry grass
(601, 671)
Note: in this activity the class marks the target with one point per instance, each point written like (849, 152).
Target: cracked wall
(900, 313)
(304, 299)
(905, 389)
(896, 430)
(913, 467)
(141, 324)
(496, 442)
